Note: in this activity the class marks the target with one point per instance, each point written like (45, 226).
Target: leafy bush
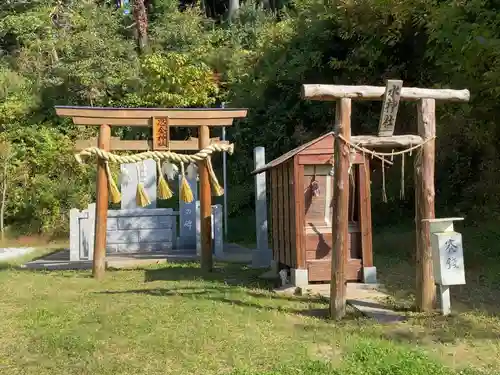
(83, 53)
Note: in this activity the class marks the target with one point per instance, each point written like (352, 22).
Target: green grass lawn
(174, 319)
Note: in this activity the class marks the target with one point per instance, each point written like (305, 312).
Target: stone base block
(299, 277)
(370, 275)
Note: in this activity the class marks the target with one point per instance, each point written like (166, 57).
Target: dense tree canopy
(166, 53)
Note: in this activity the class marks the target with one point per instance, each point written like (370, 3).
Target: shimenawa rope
(382, 156)
(158, 156)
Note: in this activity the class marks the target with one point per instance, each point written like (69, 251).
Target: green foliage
(16, 97)
(45, 181)
(174, 79)
(83, 53)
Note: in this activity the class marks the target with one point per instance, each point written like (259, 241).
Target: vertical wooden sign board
(390, 107)
(161, 134)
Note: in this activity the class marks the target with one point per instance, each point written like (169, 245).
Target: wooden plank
(395, 141)
(205, 204)
(292, 202)
(390, 105)
(102, 196)
(324, 159)
(281, 236)
(148, 122)
(143, 145)
(334, 92)
(320, 244)
(274, 210)
(340, 210)
(161, 134)
(173, 113)
(424, 202)
(286, 213)
(320, 270)
(365, 213)
(300, 214)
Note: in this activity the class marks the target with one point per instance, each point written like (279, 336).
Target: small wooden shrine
(301, 189)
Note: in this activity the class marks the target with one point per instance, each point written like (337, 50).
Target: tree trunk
(141, 21)
(234, 6)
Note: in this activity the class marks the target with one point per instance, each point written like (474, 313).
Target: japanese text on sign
(451, 250)
(161, 135)
(448, 258)
(390, 107)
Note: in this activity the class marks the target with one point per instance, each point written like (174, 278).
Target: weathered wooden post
(102, 193)
(262, 255)
(340, 208)
(424, 201)
(205, 203)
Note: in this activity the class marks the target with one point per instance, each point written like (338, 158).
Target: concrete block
(370, 275)
(128, 230)
(165, 221)
(144, 222)
(144, 247)
(74, 235)
(89, 230)
(260, 199)
(122, 236)
(111, 248)
(155, 235)
(140, 212)
(217, 234)
(111, 224)
(299, 277)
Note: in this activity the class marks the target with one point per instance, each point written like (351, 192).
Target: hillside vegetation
(93, 53)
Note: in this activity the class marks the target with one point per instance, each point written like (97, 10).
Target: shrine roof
(290, 154)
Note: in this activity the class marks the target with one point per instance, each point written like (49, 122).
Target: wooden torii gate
(424, 171)
(160, 119)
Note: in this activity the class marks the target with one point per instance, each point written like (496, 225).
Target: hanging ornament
(214, 183)
(164, 191)
(124, 177)
(384, 194)
(114, 192)
(402, 191)
(186, 192)
(170, 170)
(192, 171)
(141, 197)
(315, 188)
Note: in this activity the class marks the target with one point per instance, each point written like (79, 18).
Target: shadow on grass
(257, 301)
(225, 273)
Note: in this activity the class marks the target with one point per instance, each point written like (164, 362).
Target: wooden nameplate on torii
(161, 134)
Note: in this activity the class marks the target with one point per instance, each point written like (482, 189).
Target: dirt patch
(33, 241)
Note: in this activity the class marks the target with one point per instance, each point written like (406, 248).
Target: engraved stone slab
(187, 212)
(134, 172)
